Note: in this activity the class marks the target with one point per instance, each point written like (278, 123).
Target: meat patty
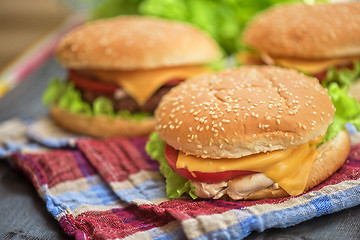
(123, 101)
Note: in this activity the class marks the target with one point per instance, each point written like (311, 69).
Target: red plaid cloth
(111, 189)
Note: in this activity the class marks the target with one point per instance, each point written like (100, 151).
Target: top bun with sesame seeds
(244, 111)
(133, 43)
(119, 69)
(250, 133)
(310, 38)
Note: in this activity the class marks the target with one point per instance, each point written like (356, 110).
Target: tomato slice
(322, 75)
(173, 82)
(171, 155)
(85, 83)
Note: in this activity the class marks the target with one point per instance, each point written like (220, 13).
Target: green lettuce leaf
(176, 185)
(337, 82)
(347, 110)
(112, 8)
(343, 77)
(65, 95)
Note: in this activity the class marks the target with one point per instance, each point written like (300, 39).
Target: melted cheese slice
(141, 85)
(290, 168)
(311, 66)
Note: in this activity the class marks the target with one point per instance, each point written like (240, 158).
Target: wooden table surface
(23, 214)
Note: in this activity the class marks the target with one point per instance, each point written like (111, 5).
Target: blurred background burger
(309, 38)
(119, 69)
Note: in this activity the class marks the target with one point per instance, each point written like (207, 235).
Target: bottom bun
(100, 126)
(332, 155)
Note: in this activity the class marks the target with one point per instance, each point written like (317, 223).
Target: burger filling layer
(315, 67)
(131, 90)
(289, 168)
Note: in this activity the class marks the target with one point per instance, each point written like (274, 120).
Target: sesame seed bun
(134, 42)
(243, 111)
(307, 31)
(100, 125)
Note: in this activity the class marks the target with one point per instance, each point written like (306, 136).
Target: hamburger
(119, 69)
(309, 38)
(248, 133)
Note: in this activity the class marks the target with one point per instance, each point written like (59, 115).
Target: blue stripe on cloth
(321, 204)
(97, 195)
(4, 153)
(54, 206)
(148, 190)
(346, 199)
(51, 142)
(160, 234)
(351, 128)
(11, 147)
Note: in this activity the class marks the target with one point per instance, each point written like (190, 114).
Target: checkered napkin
(111, 189)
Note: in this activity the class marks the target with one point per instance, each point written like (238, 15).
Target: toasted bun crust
(307, 31)
(134, 42)
(243, 111)
(332, 155)
(105, 126)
